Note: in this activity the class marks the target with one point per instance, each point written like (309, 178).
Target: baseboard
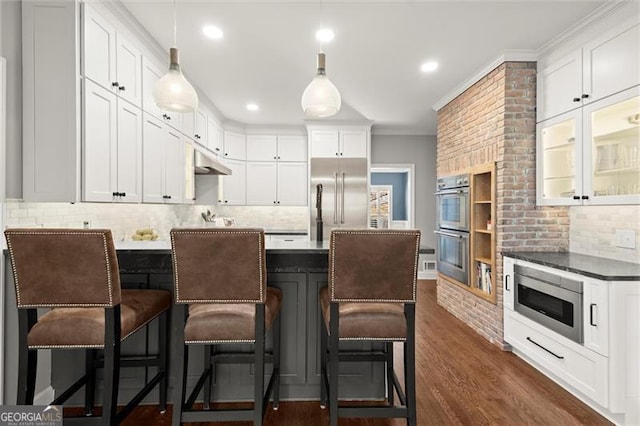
(427, 275)
(45, 396)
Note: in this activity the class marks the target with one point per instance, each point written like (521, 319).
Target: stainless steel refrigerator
(344, 196)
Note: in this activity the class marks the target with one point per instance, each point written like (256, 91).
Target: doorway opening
(395, 183)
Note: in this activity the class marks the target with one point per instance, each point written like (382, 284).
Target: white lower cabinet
(112, 149)
(581, 368)
(604, 370)
(164, 163)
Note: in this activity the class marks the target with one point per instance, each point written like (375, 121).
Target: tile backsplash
(124, 219)
(593, 231)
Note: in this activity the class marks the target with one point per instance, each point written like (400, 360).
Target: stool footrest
(70, 391)
(139, 397)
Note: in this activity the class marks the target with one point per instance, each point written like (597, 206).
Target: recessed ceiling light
(212, 32)
(325, 35)
(429, 66)
(252, 107)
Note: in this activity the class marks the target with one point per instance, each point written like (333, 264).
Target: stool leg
(207, 383)
(27, 358)
(323, 364)
(181, 360)
(333, 364)
(258, 394)
(90, 386)
(163, 348)
(112, 337)
(410, 364)
(276, 363)
(388, 348)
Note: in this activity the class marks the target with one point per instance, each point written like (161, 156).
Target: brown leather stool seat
(220, 274)
(366, 321)
(371, 297)
(84, 327)
(75, 273)
(229, 321)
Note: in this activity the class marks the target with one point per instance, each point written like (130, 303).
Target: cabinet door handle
(593, 305)
(506, 283)
(585, 197)
(576, 99)
(576, 197)
(168, 117)
(543, 348)
(115, 194)
(585, 96)
(115, 84)
(123, 194)
(122, 88)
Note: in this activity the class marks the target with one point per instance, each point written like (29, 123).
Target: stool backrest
(371, 265)
(64, 267)
(219, 265)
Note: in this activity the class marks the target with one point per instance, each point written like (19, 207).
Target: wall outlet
(626, 238)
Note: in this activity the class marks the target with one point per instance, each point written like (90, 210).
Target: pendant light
(173, 92)
(321, 97)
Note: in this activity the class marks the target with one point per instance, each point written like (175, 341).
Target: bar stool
(371, 297)
(75, 273)
(220, 274)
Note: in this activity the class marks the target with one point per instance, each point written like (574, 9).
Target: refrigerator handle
(342, 206)
(335, 198)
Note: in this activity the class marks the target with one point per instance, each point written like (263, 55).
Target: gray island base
(298, 268)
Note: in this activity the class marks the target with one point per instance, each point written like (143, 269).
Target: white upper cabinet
(292, 148)
(235, 146)
(340, 143)
(602, 67)
(292, 184)
(262, 183)
(215, 137)
(110, 58)
(233, 188)
(164, 163)
(560, 86)
(262, 148)
(112, 149)
(200, 127)
(611, 63)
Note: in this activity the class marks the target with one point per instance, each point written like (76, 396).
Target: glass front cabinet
(591, 155)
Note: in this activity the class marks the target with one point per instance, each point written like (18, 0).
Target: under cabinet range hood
(206, 163)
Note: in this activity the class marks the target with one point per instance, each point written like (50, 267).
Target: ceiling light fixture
(212, 32)
(173, 92)
(321, 97)
(429, 66)
(252, 107)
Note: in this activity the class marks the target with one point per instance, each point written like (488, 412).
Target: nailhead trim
(415, 268)
(191, 301)
(210, 342)
(59, 305)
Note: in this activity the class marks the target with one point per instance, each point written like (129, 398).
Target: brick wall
(494, 120)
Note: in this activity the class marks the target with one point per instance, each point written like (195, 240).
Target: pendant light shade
(173, 92)
(321, 98)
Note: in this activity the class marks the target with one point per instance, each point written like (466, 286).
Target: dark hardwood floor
(461, 379)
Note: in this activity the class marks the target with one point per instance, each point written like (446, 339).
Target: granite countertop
(281, 247)
(590, 266)
(285, 232)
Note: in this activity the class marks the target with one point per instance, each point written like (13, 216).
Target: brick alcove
(495, 121)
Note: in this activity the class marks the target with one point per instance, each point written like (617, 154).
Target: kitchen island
(297, 267)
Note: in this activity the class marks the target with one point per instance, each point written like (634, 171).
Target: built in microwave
(550, 300)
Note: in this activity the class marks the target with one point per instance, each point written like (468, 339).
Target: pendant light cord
(175, 23)
(321, 23)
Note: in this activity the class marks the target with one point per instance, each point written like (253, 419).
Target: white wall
(421, 151)
(11, 50)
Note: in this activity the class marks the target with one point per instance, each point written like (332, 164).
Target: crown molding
(506, 56)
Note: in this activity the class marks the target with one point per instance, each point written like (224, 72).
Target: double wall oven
(452, 233)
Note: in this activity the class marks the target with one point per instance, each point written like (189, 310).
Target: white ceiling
(268, 53)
